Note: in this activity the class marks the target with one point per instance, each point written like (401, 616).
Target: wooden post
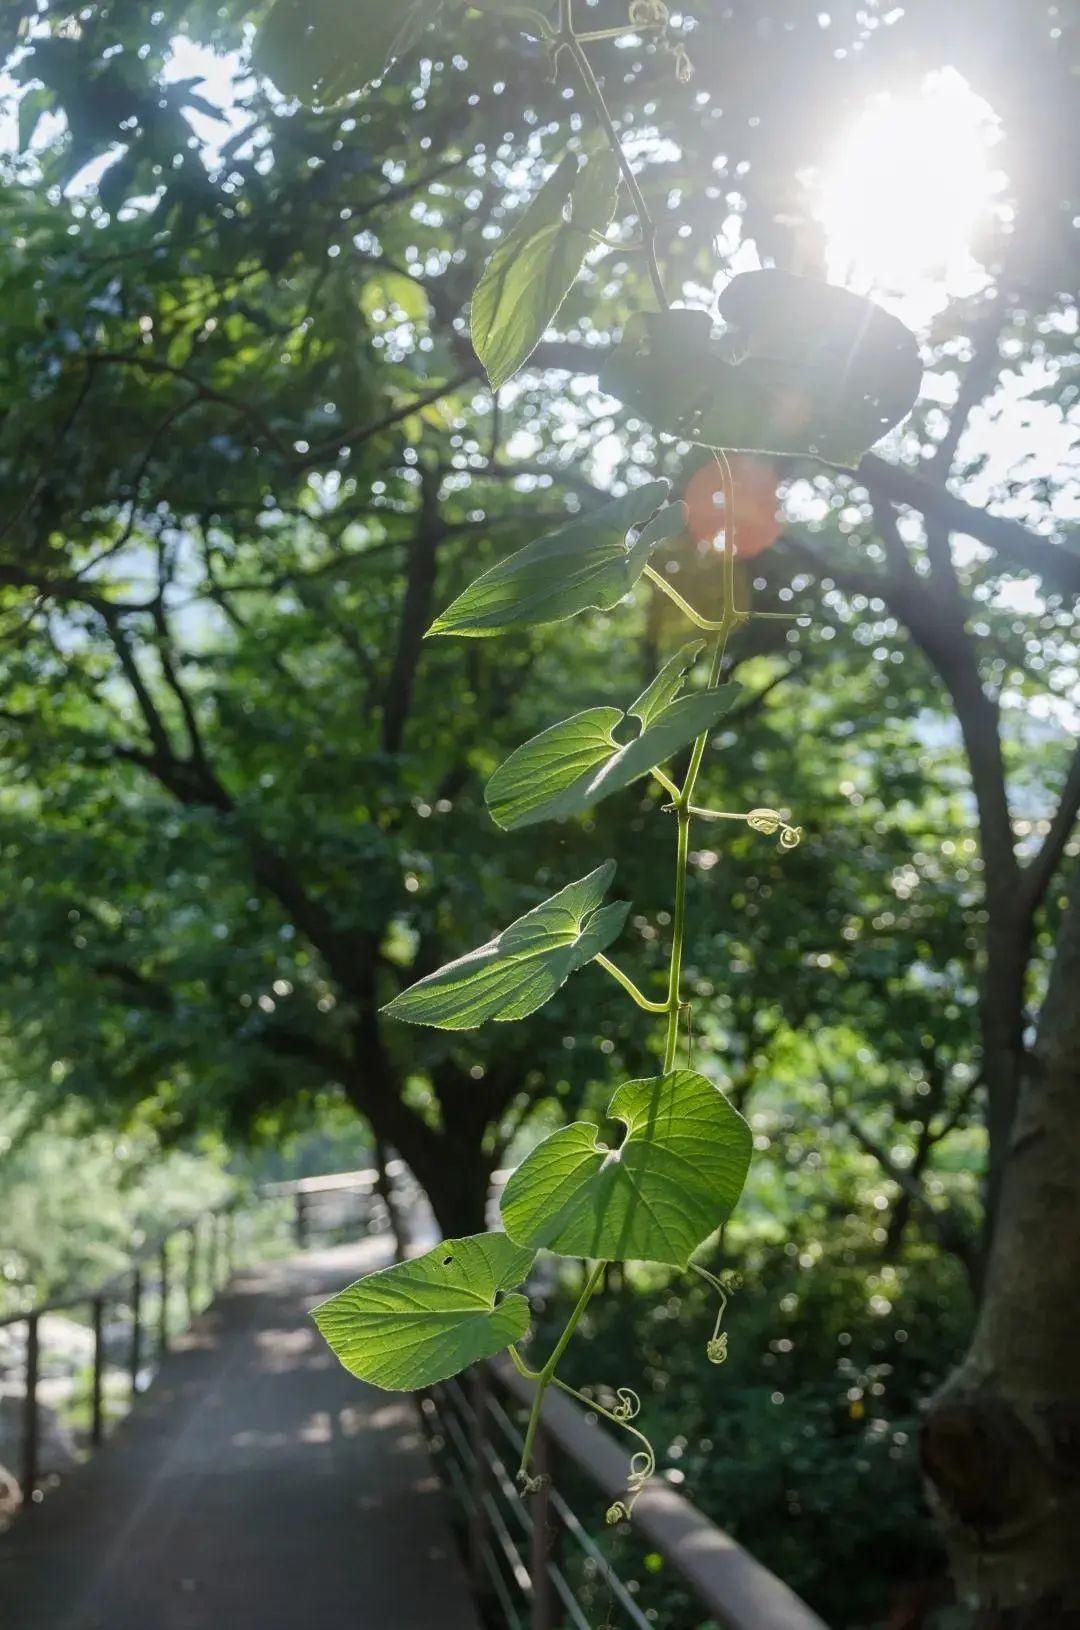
(135, 1353)
(479, 1387)
(163, 1308)
(230, 1244)
(97, 1384)
(300, 1221)
(30, 1411)
(544, 1607)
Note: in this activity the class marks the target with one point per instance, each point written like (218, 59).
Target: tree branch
(1038, 874)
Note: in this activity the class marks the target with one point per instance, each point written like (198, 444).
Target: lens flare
(907, 189)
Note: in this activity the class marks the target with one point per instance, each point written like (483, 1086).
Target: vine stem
(545, 1376)
(569, 41)
(730, 618)
(683, 797)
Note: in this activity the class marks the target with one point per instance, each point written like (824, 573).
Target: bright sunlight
(906, 190)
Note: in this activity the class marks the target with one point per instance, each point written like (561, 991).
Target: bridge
(255, 1485)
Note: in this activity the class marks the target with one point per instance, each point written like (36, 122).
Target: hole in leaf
(446, 1261)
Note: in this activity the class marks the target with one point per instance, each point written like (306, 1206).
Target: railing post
(191, 1276)
(300, 1221)
(30, 1411)
(97, 1383)
(479, 1387)
(544, 1607)
(135, 1354)
(212, 1254)
(230, 1243)
(163, 1309)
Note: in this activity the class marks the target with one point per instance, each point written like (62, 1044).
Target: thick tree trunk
(1001, 1441)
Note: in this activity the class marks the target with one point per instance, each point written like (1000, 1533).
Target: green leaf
(322, 50)
(586, 564)
(674, 1178)
(422, 1321)
(530, 274)
(575, 764)
(524, 966)
(802, 368)
(530, 18)
(659, 694)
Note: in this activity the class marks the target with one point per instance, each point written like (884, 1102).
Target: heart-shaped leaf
(674, 1178)
(570, 767)
(587, 564)
(802, 368)
(530, 274)
(422, 1321)
(322, 50)
(524, 966)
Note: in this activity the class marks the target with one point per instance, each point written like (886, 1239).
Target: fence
(167, 1282)
(528, 1553)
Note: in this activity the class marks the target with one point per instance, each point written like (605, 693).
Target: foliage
(59, 1235)
(807, 1454)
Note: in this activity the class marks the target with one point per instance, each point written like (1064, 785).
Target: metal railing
(533, 1556)
(190, 1262)
(167, 1282)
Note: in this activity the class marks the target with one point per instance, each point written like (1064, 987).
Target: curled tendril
(628, 1406)
(716, 1348)
(532, 1485)
(648, 13)
(684, 68)
(769, 821)
(642, 1461)
(642, 1467)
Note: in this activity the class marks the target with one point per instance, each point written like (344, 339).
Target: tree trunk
(1001, 1441)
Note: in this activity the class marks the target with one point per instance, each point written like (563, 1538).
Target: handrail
(127, 1288)
(107, 1288)
(528, 1554)
(731, 1584)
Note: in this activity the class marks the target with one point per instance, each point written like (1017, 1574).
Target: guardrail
(194, 1258)
(527, 1553)
(168, 1281)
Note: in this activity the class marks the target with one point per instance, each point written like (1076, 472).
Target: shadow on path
(256, 1486)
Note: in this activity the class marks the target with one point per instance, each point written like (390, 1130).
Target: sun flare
(906, 190)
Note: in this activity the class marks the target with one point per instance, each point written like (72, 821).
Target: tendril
(642, 1461)
(767, 821)
(628, 1406)
(647, 13)
(716, 1348)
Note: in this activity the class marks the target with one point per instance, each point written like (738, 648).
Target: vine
(798, 368)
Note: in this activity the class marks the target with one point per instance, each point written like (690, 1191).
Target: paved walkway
(256, 1486)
